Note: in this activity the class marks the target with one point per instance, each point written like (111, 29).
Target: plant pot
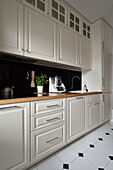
(40, 89)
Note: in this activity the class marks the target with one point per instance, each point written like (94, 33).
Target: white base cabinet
(106, 107)
(76, 125)
(48, 127)
(14, 136)
(47, 140)
(93, 111)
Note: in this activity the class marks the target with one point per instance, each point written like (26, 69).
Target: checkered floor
(92, 152)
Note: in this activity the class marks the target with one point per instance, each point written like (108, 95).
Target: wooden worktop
(46, 97)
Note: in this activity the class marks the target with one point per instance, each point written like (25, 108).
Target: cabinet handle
(102, 44)
(11, 107)
(103, 81)
(28, 51)
(96, 103)
(79, 98)
(48, 141)
(53, 105)
(52, 119)
(23, 50)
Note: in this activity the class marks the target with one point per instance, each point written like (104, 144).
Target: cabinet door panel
(106, 34)
(13, 138)
(76, 118)
(67, 46)
(40, 36)
(106, 72)
(11, 27)
(94, 114)
(85, 54)
(107, 106)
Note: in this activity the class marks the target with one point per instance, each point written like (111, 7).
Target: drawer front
(44, 143)
(37, 122)
(94, 98)
(45, 106)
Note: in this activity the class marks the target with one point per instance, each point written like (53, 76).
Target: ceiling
(94, 9)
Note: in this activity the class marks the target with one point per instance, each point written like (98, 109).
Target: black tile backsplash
(18, 74)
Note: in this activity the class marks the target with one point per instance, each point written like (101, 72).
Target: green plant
(40, 80)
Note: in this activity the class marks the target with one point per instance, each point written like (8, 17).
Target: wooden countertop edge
(30, 99)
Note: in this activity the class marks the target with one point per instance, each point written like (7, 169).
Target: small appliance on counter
(56, 85)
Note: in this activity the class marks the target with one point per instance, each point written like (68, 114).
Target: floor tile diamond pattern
(94, 151)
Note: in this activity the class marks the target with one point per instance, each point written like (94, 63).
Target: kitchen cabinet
(106, 72)
(86, 29)
(84, 53)
(39, 36)
(14, 136)
(67, 50)
(74, 20)
(37, 5)
(58, 11)
(47, 140)
(100, 74)
(48, 127)
(106, 107)
(106, 37)
(94, 111)
(76, 125)
(11, 27)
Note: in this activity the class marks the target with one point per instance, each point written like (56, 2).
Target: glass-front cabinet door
(86, 29)
(39, 5)
(74, 20)
(58, 11)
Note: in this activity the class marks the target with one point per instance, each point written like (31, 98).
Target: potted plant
(40, 81)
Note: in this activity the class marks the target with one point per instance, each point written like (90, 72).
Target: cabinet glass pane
(84, 32)
(71, 16)
(88, 35)
(77, 28)
(77, 20)
(54, 14)
(71, 24)
(84, 25)
(55, 4)
(62, 18)
(40, 5)
(62, 9)
(31, 2)
(88, 28)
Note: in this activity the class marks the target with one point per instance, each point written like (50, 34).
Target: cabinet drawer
(93, 98)
(44, 142)
(45, 106)
(38, 122)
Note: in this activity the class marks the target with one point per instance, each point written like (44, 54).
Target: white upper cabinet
(84, 53)
(39, 36)
(38, 5)
(86, 29)
(106, 36)
(106, 70)
(11, 26)
(58, 11)
(74, 21)
(66, 46)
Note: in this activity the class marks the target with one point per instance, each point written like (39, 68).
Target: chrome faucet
(73, 79)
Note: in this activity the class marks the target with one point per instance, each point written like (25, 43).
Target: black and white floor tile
(91, 152)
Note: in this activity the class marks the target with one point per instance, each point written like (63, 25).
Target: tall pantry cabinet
(100, 76)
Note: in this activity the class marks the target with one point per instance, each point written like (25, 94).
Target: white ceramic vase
(40, 89)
